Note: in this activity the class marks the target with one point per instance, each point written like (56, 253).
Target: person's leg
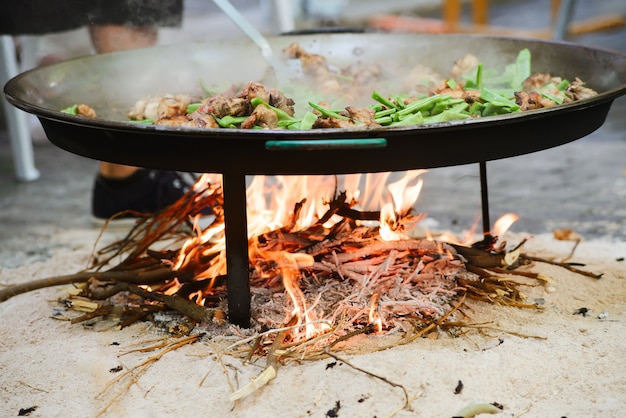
(119, 187)
(110, 38)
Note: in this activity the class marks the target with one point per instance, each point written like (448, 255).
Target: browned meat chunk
(160, 107)
(528, 101)
(279, 100)
(220, 106)
(203, 120)
(262, 117)
(537, 81)
(471, 96)
(180, 120)
(312, 64)
(363, 115)
(577, 91)
(194, 120)
(86, 111)
(465, 65)
(270, 96)
(323, 123)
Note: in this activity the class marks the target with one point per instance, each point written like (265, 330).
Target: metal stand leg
(237, 262)
(484, 197)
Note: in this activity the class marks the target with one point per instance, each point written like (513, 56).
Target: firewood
(422, 246)
(567, 266)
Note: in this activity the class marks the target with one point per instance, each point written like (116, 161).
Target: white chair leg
(19, 133)
(284, 11)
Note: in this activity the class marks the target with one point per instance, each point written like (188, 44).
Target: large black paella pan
(113, 82)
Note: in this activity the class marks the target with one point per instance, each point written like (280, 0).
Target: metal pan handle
(326, 144)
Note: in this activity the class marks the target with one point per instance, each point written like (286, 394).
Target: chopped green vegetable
(476, 108)
(563, 85)
(444, 105)
(143, 121)
(308, 120)
(72, 110)
(415, 119)
(382, 99)
(494, 98)
(385, 120)
(386, 112)
(522, 69)
(422, 104)
(231, 121)
(327, 112)
(477, 82)
(193, 107)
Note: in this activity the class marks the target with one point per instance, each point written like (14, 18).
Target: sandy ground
(536, 363)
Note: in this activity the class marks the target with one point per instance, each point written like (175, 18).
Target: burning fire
(279, 207)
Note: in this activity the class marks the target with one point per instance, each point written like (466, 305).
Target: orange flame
(503, 224)
(290, 265)
(403, 197)
(375, 319)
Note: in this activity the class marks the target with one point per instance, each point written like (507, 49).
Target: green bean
(386, 112)
(229, 121)
(497, 100)
(72, 110)
(192, 107)
(308, 120)
(327, 112)
(382, 99)
(414, 119)
(385, 120)
(422, 104)
(143, 121)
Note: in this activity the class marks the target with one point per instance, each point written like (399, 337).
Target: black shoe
(146, 191)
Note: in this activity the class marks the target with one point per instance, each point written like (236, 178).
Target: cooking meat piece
(279, 100)
(220, 106)
(528, 100)
(203, 120)
(180, 120)
(532, 100)
(538, 81)
(363, 115)
(577, 91)
(86, 111)
(443, 88)
(271, 96)
(254, 90)
(194, 120)
(262, 117)
(312, 64)
(471, 96)
(323, 123)
(159, 107)
(464, 65)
